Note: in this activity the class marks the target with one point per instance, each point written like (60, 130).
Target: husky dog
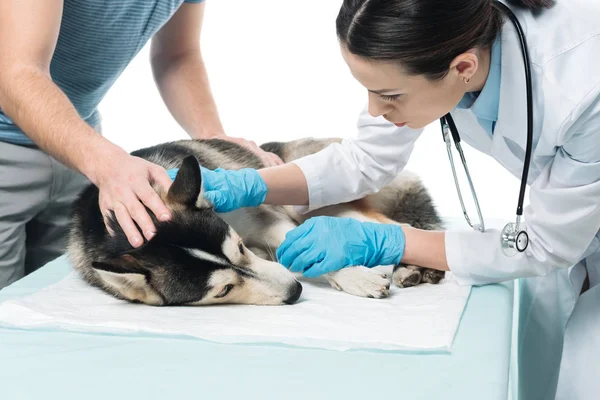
(200, 257)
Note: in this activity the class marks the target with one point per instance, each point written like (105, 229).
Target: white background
(277, 74)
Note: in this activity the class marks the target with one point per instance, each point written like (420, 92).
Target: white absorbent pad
(422, 318)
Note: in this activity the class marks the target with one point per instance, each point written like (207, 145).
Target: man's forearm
(185, 89)
(30, 98)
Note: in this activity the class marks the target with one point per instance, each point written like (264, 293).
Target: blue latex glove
(229, 190)
(327, 244)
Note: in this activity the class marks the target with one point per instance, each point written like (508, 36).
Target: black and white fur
(200, 257)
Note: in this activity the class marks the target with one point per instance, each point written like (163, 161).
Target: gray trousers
(36, 193)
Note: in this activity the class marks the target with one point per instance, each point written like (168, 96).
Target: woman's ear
(465, 65)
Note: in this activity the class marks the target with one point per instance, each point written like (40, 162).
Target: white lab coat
(563, 218)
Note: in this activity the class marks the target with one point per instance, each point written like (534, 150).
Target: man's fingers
(162, 178)
(275, 158)
(140, 215)
(105, 210)
(126, 223)
(267, 160)
(153, 201)
(253, 145)
(106, 217)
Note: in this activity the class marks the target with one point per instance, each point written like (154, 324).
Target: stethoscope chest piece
(514, 239)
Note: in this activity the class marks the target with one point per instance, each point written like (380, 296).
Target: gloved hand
(229, 190)
(327, 244)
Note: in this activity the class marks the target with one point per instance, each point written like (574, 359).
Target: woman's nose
(377, 107)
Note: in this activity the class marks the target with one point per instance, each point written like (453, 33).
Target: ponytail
(533, 4)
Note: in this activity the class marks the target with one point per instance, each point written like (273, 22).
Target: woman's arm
(344, 171)
(286, 185)
(425, 249)
(360, 166)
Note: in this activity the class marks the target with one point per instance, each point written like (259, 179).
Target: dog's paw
(407, 276)
(432, 276)
(361, 281)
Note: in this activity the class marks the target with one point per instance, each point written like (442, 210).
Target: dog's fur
(201, 257)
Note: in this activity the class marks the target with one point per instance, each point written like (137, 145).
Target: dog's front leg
(365, 282)
(360, 281)
(263, 228)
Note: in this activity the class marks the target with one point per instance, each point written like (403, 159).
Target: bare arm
(28, 95)
(425, 249)
(180, 74)
(28, 35)
(182, 80)
(287, 185)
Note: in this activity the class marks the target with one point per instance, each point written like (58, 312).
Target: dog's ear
(122, 270)
(187, 186)
(128, 278)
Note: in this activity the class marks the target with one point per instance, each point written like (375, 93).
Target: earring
(466, 80)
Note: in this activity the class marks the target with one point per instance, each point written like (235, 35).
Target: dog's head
(194, 259)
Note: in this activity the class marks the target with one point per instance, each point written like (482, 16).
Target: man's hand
(124, 183)
(182, 80)
(269, 159)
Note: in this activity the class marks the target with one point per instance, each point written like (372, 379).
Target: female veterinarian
(420, 60)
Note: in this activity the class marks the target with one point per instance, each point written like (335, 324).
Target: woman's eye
(390, 98)
(224, 292)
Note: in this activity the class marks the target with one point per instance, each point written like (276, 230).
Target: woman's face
(414, 100)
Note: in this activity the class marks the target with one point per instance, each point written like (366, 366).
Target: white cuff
(455, 258)
(477, 258)
(313, 181)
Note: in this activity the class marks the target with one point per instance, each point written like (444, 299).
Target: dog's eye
(224, 292)
(241, 247)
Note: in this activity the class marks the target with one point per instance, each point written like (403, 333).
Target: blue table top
(44, 364)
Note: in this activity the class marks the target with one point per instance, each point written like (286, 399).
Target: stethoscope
(513, 238)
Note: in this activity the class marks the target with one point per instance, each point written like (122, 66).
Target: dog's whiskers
(270, 251)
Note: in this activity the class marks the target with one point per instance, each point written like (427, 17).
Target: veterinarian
(58, 59)
(420, 60)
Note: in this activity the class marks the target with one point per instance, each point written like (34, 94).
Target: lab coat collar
(510, 134)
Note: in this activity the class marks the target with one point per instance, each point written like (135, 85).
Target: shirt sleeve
(562, 219)
(356, 167)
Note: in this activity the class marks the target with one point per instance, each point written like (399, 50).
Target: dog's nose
(294, 294)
